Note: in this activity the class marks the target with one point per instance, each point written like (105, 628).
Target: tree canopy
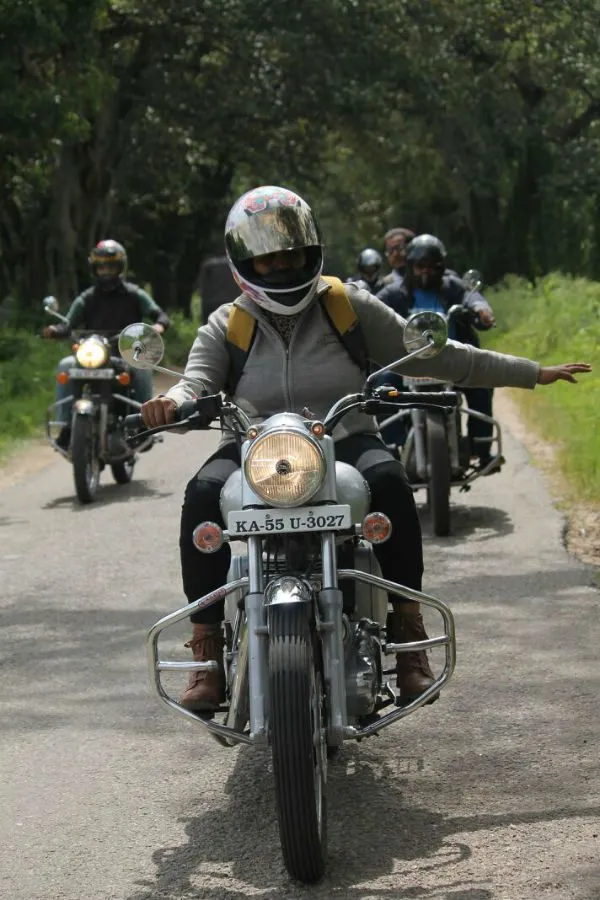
(477, 120)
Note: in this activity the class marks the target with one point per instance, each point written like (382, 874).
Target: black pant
(480, 433)
(400, 557)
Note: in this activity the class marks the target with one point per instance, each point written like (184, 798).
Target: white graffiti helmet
(271, 219)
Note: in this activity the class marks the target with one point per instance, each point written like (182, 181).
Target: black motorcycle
(101, 393)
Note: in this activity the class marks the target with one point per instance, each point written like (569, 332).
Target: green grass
(557, 321)
(26, 384)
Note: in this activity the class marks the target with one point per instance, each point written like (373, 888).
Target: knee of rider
(201, 500)
(67, 362)
(387, 481)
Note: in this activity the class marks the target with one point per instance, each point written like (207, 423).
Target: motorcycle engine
(362, 660)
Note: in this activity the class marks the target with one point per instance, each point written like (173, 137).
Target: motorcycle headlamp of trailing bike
(285, 468)
(91, 354)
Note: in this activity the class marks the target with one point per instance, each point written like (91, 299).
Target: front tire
(298, 735)
(122, 472)
(438, 487)
(84, 456)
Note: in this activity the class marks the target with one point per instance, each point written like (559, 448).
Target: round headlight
(91, 354)
(285, 468)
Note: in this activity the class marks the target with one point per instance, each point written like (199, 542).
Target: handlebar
(200, 412)
(203, 407)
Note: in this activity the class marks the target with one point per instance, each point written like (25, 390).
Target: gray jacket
(316, 370)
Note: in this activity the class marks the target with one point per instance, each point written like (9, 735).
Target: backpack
(338, 309)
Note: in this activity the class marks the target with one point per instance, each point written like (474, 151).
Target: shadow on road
(485, 523)
(379, 845)
(111, 493)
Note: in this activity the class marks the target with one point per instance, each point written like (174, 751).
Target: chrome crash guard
(333, 652)
(474, 474)
(84, 407)
(447, 640)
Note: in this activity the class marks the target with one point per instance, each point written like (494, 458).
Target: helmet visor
(270, 230)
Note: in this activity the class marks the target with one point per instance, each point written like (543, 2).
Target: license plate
(282, 521)
(105, 374)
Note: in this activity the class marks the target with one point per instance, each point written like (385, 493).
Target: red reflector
(207, 537)
(376, 528)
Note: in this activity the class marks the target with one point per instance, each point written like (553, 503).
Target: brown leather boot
(413, 672)
(205, 690)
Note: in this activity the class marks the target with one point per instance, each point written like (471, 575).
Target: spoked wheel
(438, 488)
(298, 736)
(123, 471)
(84, 455)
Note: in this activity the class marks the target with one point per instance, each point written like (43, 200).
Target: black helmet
(369, 263)
(426, 250)
(108, 262)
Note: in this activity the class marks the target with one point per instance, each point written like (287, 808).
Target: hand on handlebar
(48, 331)
(158, 411)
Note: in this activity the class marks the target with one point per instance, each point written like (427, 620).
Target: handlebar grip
(187, 409)
(133, 421)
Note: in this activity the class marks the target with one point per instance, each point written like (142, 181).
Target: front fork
(331, 633)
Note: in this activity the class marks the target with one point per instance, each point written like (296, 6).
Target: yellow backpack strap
(344, 321)
(241, 330)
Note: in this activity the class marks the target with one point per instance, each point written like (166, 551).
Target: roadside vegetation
(557, 320)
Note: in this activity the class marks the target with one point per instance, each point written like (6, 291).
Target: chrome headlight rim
(100, 359)
(303, 435)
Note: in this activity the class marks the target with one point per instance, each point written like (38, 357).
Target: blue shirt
(431, 301)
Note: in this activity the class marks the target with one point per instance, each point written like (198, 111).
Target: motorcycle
(101, 394)
(305, 601)
(437, 452)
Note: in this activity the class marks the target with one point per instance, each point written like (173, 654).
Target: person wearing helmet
(429, 285)
(368, 266)
(296, 360)
(108, 306)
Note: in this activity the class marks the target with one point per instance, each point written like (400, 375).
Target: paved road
(491, 793)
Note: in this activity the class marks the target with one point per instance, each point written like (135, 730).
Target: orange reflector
(393, 393)
(124, 378)
(318, 429)
(376, 528)
(207, 537)
(62, 377)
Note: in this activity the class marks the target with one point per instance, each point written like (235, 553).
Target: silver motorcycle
(305, 638)
(437, 451)
(100, 394)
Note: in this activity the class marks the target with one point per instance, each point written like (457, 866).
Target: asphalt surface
(491, 793)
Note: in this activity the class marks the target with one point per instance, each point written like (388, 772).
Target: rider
(429, 285)
(108, 306)
(369, 265)
(296, 360)
(395, 242)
